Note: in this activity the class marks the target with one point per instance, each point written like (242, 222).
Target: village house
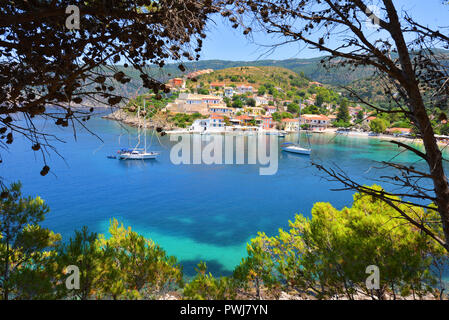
(193, 103)
(215, 85)
(244, 119)
(269, 110)
(229, 92)
(309, 102)
(291, 125)
(176, 83)
(242, 89)
(221, 109)
(191, 98)
(353, 111)
(261, 101)
(216, 121)
(315, 121)
(253, 111)
(200, 125)
(400, 131)
(368, 120)
(266, 122)
(332, 118)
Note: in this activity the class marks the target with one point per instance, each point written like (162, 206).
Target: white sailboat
(296, 147)
(139, 153)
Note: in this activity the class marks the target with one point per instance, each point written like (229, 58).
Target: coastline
(414, 140)
(133, 121)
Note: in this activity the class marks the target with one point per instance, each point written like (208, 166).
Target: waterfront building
(400, 131)
(244, 119)
(266, 122)
(315, 121)
(217, 121)
(291, 125)
(368, 120)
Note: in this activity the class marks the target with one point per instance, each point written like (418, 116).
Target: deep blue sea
(195, 212)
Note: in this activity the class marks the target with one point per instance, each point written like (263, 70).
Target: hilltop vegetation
(311, 68)
(256, 76)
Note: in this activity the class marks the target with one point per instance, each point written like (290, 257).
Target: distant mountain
(311, 68)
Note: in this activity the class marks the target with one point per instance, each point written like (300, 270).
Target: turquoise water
(195, 212)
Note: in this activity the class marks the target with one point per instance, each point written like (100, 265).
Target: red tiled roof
(315, 117)
(400, 129)
(244, 117)
(289, 120)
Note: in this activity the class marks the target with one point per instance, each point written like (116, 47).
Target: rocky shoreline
(133, 121)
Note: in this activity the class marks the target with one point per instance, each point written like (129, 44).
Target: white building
(192, 103)
(244, 89)
(270, 110)
(261, 101)
(229, 92)
(291, 125)
(315, 121)
(213, 124)
(200, 125)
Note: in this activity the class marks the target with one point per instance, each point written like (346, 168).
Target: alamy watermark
(227, 149)
(72, 22)
(373, 281)
(373, 14)
(73, 280)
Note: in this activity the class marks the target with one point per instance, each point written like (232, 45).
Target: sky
(225, 43)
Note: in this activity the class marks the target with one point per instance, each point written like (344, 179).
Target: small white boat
(293, 148)
(138, 155)
(296, 148)
(275, 133)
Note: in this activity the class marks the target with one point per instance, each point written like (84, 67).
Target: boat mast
(299, 123)
(138, 126)
(144, 125)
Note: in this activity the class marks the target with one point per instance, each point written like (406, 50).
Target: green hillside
(310, 68)
(280, 78)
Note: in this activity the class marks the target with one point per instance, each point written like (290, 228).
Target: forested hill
(311, 68)
(282, 78)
